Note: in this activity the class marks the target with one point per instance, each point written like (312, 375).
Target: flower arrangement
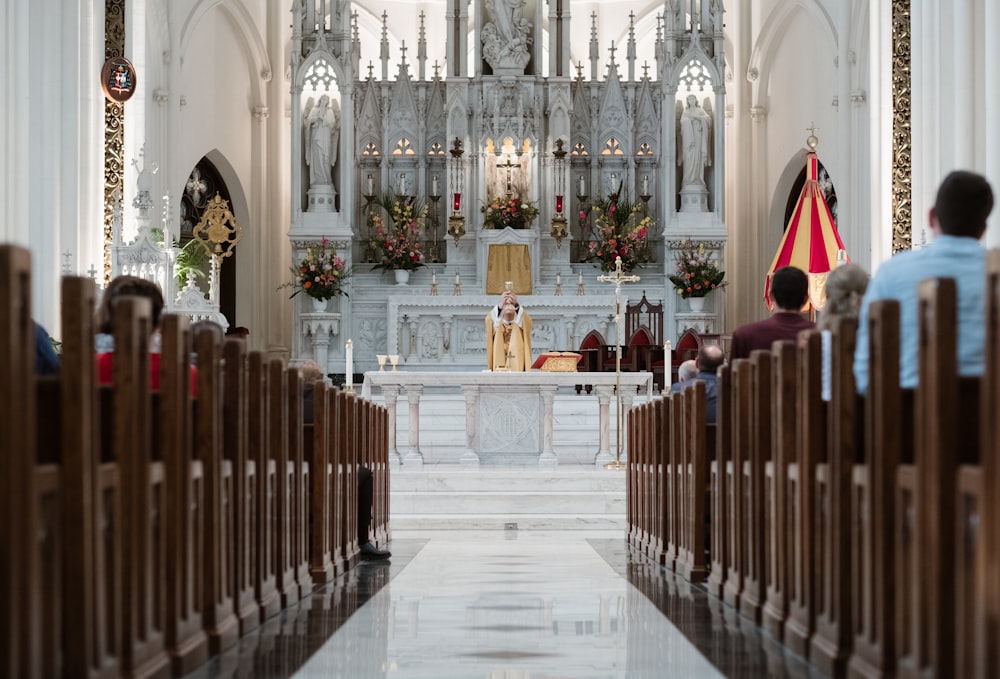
(321, 274)
(619, 229)
(697, 274)
(513, 212)
(399, 243)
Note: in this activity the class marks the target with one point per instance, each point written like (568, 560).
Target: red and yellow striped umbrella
(811, 241)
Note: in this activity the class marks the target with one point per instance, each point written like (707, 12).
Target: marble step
(488, 499)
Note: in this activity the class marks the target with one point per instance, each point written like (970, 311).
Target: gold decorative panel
(114, 126)
(902, 129)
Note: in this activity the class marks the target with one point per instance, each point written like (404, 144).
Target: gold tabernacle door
(508, 262)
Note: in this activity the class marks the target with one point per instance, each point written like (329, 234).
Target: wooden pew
(218, 606)
(741, 401)
(776, 513)
(301, 498)
(885, 418)
(285, 537)
(260, 419)
(810, 437)
(186, 640)
(695, 493)
(987, 584)
(717, 471)
(831, 644)
(759, 454)
(321, 474)
(142, 493)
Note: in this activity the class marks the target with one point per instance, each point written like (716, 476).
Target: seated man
(789, 292)
(508, 336)
(687, 371)
(710, 359)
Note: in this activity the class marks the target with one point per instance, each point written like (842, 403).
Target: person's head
(692, 101)
(789, 288)
(311, 372)
(964, 201)
(845, 288)
(128, 286)
(710, 357)
(688, 370)
(508, 312)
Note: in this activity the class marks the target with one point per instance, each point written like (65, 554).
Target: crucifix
(618, 277)
(509, 165)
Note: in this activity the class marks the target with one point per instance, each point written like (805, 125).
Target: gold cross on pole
(618, 277)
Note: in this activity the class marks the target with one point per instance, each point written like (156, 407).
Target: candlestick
(349, 359)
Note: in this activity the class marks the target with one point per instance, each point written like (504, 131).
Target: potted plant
(399, 242)
(321, 275)
(696, 274)
(618, 229)
(515, 213)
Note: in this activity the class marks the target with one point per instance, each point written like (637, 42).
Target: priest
(508, 335)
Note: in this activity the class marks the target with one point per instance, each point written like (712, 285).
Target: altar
(508, 415)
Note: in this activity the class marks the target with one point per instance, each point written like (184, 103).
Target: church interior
(356, 184)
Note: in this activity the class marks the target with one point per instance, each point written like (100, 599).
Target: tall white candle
(349, 358)
(645, 184)
(457, 279)
(558, 279)
(582, 190)
(402, 184)
(580, 280)
(434, 278)
(434, 186)
(668, 360)
(371, 185)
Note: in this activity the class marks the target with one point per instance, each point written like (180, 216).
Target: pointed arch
(246, 31)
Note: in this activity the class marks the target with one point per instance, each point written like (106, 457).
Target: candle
(434, 278)
(457, 279)
(582, 190)
(559, 204)
(371, 185)
(402, 184)
(457, 203)
(349, 358)
(434, 186)
(580, 280)
(558, 278)
(668, 359)
(645, 184)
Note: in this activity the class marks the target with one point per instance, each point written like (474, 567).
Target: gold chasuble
(508, 262)
(508, 345)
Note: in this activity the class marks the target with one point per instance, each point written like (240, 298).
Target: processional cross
(618, 277)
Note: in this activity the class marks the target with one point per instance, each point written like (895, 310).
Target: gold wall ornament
(902, 137)
(218, 229)
(114, 127)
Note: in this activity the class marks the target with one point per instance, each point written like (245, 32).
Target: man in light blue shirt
(958, 220)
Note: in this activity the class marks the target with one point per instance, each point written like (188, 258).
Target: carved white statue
(695, 155)
(507, 36)
(322, 129)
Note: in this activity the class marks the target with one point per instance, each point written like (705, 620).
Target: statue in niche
(695, 151)
(507, 36)
(322, 129)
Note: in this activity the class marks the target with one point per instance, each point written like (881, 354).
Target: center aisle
(509, 605)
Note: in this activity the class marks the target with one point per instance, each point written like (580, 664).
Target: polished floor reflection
(508, 605)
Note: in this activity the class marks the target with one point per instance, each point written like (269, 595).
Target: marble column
(627, 398)
(470, 459)
(414, 459)
(391, 393)
(604, 393)
(548, 459)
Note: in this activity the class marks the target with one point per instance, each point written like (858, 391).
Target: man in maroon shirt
(789, 290)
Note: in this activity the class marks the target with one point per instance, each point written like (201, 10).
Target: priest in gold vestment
(508, 336)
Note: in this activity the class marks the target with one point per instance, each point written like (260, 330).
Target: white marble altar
(508, 416)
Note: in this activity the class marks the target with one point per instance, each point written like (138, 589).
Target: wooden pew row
(143, 530)
(857, 529)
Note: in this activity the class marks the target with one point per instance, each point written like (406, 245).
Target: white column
(414, 459)
(548, 459)
(604, 393)
(470, 459)
(390, 393)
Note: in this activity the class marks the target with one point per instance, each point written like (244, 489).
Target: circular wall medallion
(118, 79)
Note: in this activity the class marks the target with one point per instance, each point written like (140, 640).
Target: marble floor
(508, 605)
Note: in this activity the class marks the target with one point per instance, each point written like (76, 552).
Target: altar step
(579, 498)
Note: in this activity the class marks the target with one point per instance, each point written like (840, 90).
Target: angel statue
(695, 149)
(322, 128)
(507, 37)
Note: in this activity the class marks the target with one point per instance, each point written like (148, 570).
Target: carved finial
(579, 70)
(371, 70)
(813, 141)
(645, 70)
(612, 49)
(402, 52)
(437, 69)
